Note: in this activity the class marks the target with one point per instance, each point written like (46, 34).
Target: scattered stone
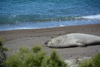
(75, 62)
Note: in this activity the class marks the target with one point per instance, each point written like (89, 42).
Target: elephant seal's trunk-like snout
(46, 43)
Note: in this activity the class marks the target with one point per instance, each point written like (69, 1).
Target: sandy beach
(30, 37)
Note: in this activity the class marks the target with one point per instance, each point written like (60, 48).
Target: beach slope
(30, 37)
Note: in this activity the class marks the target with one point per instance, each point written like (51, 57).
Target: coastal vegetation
(36, 57)
(93, 62)
(2, 50)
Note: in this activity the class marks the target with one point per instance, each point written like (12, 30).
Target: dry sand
(30, 37)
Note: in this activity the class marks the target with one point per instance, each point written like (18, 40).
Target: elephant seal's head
(55, 42)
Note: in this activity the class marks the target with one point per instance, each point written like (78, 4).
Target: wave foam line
(91, 17)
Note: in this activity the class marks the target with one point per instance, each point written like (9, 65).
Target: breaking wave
(37, 18)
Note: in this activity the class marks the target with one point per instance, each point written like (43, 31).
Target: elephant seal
(73, 40)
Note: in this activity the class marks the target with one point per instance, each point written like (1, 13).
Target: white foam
(61, 25)
(91, 17)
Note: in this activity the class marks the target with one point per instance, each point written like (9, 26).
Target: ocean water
(35, 14)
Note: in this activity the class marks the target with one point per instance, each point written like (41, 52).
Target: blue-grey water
(33, 14)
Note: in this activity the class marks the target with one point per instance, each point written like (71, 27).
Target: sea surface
(36, 14)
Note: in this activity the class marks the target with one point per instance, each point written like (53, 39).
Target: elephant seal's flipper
(81, 45)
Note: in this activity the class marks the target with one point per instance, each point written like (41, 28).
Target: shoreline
(52, 27)
(30, 37)
(6, 28)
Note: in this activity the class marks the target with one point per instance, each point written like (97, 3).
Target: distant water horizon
(36, 14)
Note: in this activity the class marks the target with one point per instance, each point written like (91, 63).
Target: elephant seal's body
(74, 39)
